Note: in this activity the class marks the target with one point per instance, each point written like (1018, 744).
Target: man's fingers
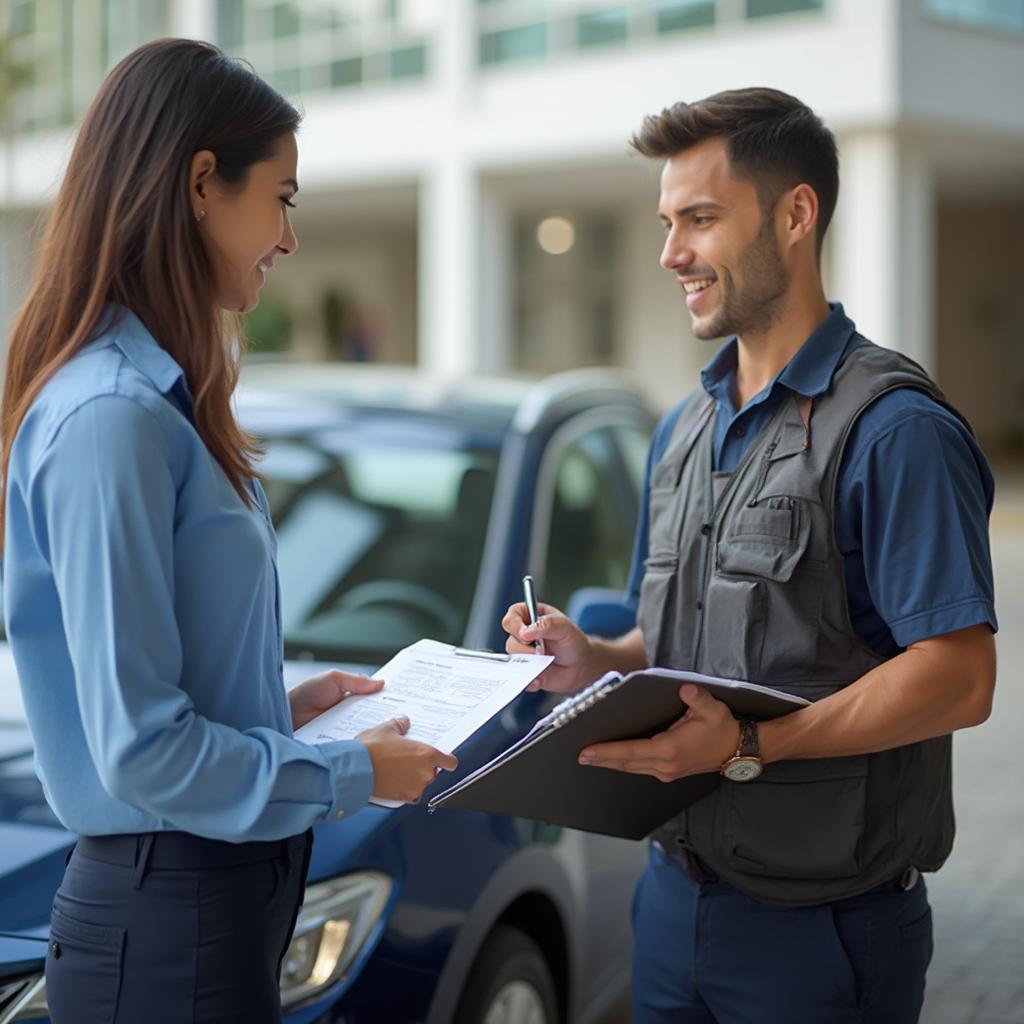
(400, 724)
(449, 762)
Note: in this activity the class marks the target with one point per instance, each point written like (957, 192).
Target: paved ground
(977, 975)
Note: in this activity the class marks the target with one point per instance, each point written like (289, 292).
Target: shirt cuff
(939, 621)
(351, 776)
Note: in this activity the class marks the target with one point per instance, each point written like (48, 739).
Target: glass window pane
(229, 23)
(347, 72)
(1000, 15)
(510, 44)
(593, 515)
(378, 544)
(766, 8)
(23, 18)
(286, 20)
(673, 15)
(601, 27)
(285, 80)
(408, 62)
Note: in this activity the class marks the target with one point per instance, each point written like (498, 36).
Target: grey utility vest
(744, 580)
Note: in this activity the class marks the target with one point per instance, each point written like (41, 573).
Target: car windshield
(379, 540)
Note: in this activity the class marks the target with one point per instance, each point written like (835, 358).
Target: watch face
(742, 769)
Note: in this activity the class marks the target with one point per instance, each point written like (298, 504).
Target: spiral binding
(569, 708)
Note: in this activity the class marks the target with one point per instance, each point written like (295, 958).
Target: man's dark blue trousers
(706, 953)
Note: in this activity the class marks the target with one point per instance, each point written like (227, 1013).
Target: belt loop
(143, 849)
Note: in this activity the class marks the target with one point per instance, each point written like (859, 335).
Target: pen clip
(469, 652)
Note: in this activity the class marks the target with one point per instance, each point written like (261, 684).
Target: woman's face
(246, 228)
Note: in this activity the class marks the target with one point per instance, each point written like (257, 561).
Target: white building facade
(440, 135)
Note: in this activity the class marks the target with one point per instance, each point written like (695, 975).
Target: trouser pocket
(83, 970)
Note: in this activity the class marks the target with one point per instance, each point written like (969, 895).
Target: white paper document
(447, 693)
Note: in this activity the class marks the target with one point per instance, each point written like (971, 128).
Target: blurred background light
(556, 235)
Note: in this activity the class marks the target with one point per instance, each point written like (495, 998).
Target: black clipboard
(539, 776)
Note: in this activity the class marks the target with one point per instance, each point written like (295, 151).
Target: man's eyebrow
(703, 204)
(291, 181)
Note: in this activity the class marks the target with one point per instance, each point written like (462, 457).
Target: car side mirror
(602, 611)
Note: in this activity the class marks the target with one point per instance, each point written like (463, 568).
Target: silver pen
(531, 607)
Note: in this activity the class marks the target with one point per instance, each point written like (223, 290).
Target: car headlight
(23, 1000)
(336, 920)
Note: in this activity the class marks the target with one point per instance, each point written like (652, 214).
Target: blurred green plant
(337, 311)
(268, 328)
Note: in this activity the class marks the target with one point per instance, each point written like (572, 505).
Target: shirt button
(705, 528)
(739, 430)
(700, 606)
(55, 950)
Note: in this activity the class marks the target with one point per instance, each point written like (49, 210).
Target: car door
(584, 519)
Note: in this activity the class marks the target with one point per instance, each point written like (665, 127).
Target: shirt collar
(808, 373)
(128, 333)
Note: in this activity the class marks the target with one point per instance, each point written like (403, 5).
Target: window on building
(768, 8)
(998, 15)
(305, 46)
(675, 15)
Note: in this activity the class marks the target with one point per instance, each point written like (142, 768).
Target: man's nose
(675, 253)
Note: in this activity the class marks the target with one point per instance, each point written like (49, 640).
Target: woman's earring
(200, 215)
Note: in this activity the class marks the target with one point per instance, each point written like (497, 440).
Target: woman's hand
(402, 768)
(318, 693)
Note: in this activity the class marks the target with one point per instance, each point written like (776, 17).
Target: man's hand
(562, 638)
(402, 768)
(318, 693)
(701, 741)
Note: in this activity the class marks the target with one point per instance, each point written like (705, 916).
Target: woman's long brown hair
(123, 230)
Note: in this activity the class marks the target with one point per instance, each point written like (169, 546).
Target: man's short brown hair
(772, 139)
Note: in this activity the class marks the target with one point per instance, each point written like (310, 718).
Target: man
(815, 519)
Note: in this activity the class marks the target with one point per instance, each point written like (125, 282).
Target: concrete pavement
(977, 974)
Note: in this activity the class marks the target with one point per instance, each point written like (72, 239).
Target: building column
(450, 207)
(883, 246)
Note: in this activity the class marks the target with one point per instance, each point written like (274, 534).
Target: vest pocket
(764, 586)
(800, 819)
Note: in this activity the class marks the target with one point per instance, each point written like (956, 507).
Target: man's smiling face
(719, 243)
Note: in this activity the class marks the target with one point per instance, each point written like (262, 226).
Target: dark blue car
(407, 508)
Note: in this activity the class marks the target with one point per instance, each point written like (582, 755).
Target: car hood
(19, 955)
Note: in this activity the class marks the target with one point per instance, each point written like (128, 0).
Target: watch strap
(749, 745)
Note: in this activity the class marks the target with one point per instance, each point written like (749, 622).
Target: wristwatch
(745, 765)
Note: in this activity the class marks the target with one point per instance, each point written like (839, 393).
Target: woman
(140, 582)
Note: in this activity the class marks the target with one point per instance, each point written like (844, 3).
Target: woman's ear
(204, 163)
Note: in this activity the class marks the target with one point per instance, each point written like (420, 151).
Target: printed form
(446, 692)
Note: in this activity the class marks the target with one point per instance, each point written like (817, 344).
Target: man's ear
(201, 170)
(801, 212)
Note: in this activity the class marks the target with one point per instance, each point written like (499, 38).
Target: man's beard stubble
(764, 282)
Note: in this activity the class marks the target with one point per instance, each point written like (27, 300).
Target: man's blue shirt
(141, 600)
(913, 495)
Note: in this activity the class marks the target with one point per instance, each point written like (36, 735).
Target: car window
(592, 516)
(378, 543)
